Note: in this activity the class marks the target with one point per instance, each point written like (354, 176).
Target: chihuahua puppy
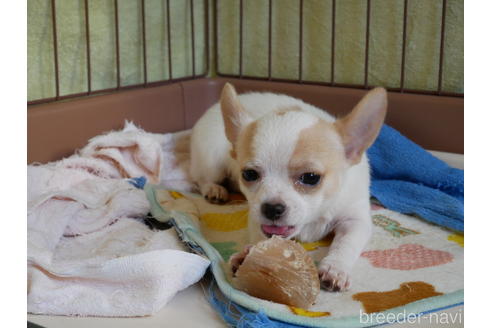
(304, 173)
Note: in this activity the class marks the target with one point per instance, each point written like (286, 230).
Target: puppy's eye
(250, 175)
(310, 178)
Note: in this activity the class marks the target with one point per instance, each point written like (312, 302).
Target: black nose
(272, 211)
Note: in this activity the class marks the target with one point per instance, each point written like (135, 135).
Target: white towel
(88, 252)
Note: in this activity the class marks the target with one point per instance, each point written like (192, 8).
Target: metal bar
(88, 46)
(144, 41)
(73, 95)
(301, 8)
(216, 36)
(140, 85)
(441, 51)
(404, 46)
(111, 90)
(166, 82)
(269, 39)
(240, 38)
(341, 85)
(41, 101)
(55, 49)
(207, 29)
(333, 17)
(88, 53)
(192, 38)
(117, 39)
(170, 66)
(401, 88)
(366, 60)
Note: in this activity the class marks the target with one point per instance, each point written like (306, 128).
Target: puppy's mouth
(270, 230)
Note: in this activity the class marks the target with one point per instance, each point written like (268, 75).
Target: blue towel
(407, 179)
(237, 316)
(138, 182)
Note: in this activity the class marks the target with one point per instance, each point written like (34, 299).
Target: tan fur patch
(244, 148)
(318, 150)
(232, 153)
(285, 110)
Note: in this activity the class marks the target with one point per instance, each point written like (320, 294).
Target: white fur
(346, 211)
(210, 159)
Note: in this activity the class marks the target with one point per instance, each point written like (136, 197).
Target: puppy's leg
(208, 166)
(208, 178)
(213, 192)
(351, 235)
(208, 181)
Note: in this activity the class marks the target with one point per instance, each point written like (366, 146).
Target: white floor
(190, 309)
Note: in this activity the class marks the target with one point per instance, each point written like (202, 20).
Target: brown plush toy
(277, 270)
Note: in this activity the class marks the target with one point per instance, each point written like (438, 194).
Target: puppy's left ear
(234, 115)
(361, 126)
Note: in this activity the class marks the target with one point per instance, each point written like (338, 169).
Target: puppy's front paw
(215, 193)
(333, 279)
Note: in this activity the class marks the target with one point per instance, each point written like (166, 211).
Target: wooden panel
(55, 130)
(434, 122)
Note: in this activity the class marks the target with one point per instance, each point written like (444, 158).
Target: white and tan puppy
(304, 173)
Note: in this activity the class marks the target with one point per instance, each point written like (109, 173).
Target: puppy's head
(293, 163)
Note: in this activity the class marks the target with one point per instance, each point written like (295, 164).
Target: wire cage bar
(332, 80)
(204, 54)
(90, 90)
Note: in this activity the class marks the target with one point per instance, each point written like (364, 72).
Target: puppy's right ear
(234, 115)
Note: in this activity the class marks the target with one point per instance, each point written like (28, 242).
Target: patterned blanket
(409, 267)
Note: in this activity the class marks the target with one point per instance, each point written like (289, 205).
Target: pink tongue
(274, 230)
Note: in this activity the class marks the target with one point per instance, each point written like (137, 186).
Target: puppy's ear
(234, 115)
(361, 126)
